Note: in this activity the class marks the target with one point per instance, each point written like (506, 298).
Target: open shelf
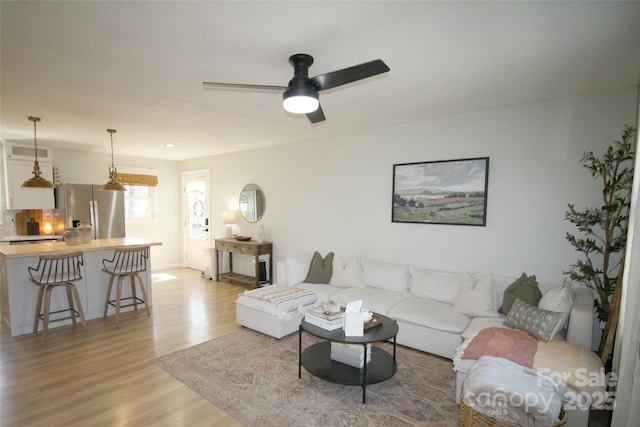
(242, 278)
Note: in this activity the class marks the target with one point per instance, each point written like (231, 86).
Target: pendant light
(113, 184)
(36, 181)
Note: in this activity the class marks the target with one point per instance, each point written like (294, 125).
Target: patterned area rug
(254, 378)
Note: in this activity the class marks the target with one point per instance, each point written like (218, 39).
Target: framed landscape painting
(441, 192)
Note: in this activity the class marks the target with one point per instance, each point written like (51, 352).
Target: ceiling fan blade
(349, 75)
(316, 116)
(212, 85)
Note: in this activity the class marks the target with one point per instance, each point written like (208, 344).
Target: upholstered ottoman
(579, 368)
(274, 310)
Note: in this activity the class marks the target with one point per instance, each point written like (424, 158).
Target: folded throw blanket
(284, 298)
(510, 392)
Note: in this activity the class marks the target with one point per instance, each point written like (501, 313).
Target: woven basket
(469, 417)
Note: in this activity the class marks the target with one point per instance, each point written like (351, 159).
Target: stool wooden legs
(43, 308)
(117, 303)
(74, 290)
(106, 303)
(38, 309)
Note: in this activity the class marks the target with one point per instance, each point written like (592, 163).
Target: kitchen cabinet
(18, 167)
(18, 171)
(19, 295)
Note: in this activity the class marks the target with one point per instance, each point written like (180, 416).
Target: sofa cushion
(476, 299)
(324, 292)
(297, 268)
(320, 268)
(346, 274)
(525, 288)
(376, 300)
(479, 323)
(436, 285)
(542, 324)
(385, 275)
(430, 314)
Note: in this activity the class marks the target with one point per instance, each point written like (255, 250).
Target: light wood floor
(106, 377)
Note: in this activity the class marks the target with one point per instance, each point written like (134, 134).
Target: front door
(196, 217)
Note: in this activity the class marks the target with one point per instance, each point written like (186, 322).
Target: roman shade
(137, 179)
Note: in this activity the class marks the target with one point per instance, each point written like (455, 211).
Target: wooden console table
(245, 248)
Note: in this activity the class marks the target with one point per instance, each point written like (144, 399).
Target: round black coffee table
(316, 359)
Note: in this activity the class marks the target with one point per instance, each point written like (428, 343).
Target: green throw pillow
(320, 269)
(525, 288)
(507, 300)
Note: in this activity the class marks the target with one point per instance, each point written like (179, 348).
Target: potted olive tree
(602, 230)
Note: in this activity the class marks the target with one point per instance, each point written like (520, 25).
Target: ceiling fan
(301, 96)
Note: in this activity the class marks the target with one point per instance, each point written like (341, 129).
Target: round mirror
(252, 203)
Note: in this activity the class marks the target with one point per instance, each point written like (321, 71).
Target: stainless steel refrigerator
(104, 209)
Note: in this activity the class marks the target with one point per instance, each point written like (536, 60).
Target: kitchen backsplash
(38, 222)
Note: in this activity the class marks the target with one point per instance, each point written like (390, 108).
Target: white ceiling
(138, 66)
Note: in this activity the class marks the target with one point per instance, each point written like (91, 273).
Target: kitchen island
(19, 295)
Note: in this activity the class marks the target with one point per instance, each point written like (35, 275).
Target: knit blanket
(284, 298)
(510, 392)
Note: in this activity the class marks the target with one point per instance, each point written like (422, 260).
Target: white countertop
(35, 249)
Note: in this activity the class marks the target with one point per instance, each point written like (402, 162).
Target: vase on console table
(262, 235)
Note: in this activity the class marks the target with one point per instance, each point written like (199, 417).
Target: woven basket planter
(469, 417)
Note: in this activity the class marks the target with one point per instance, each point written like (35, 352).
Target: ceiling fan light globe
(300, 100)
(300, 104)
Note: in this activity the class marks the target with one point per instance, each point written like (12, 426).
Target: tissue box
(353, 325)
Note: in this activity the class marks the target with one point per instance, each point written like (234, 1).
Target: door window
(196, 203)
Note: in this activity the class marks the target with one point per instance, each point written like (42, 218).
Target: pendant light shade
(113, 184)
(37, 180)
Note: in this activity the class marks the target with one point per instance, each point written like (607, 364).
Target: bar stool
(127, 261)
(51, 272)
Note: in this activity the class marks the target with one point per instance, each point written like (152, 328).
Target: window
(140, 202)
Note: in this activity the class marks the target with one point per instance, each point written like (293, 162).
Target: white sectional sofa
(421, 300)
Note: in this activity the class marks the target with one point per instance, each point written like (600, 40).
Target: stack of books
(350, 354)
(317, 316)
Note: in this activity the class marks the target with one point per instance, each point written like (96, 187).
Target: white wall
(79, 167)
(335, 194)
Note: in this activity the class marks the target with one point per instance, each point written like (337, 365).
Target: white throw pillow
(346, 274)
(560, 300)
(500, 283)
(297, 268)
(436, 285)
(557, 299)
(476, 299)
(385, 275)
